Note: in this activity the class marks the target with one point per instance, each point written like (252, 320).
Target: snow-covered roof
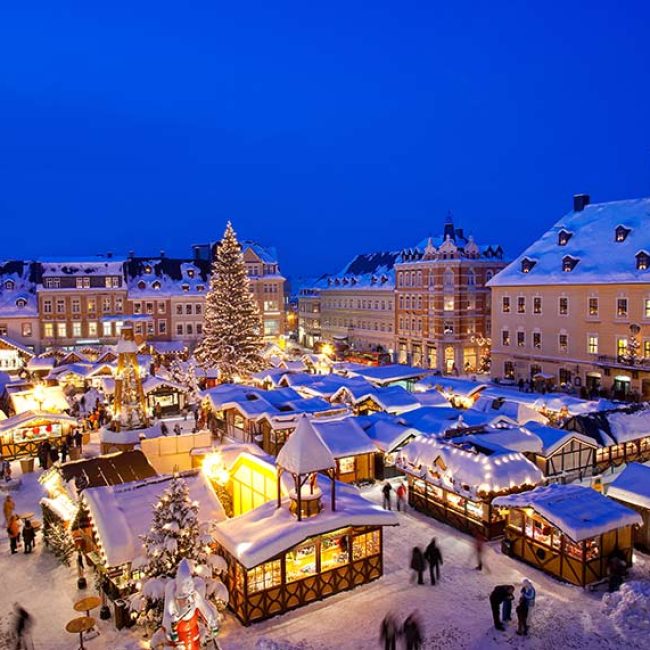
(632, 486)
(450, 385)
(18, 281)
(305, 451)
(468, 467)
(432, 420)
(387, 433)
(268, 531)
(392, 399)
(28, 418)
(579, 512)
(167, 347)
(41, 363)
(592, 242)
(514, 439)
(383, 375)
(344, 437)
(128, 436)
(121, 514)
(153, 382)
(517, 411)
(367, 271)
(82, 266)
(552, 439)
(9, 342)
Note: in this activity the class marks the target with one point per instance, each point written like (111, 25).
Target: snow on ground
(455, 614)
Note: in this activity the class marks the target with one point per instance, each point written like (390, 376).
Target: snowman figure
(185, 607)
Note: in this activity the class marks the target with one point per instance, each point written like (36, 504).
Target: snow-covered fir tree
(184, 373)
(232, 340)
(176, 534)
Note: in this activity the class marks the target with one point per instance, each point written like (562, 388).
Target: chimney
(162, 254)
(131, 254)
(109, 255)
(580, 202)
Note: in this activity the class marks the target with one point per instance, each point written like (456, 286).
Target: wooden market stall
(322, 539)
(632, 488)
(457, 482)
(568, 531)
(20, 435)
(164, 394)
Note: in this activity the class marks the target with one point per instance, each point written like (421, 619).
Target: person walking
(13, 530)
(412, 633)
(22, 627)
(29, 534)
(529, 593)
(433, 556)
(479, 543)
(386, 490)
(8, 507)
(78, 440)
(54, 455)
(500, 595)
(418, 563)
(64, 451)
(522, 615)
(400, 493)
(177, 429)
(164, 429)
(388, 632)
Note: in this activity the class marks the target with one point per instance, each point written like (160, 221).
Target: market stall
(568, 531)
(20, 435)
(632, 488)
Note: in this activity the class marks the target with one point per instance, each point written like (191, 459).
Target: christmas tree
(184, 373)
(231, 340)
(631, 356)
(176, 534)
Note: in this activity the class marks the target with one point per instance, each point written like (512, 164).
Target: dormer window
(200, 287)
(142, 285)
(20, 303)
(642, 261)
(190, 273)
(563, 237)
(527, 265)
(185, 287)
(569, 263)
(155, 285)
(147, 269)
(10, 285)
(621, 233)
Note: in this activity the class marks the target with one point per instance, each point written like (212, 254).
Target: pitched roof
(632, 485)
(305, 451)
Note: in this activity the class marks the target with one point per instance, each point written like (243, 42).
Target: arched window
(471, 278)
(448, 278)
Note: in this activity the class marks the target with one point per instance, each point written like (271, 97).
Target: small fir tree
(175, 534)
(632, 351)
(184, 373)
(231, 340)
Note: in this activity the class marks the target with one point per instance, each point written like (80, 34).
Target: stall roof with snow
(305, 451)
(579, 512)
(632, 486)
(390, 374)
(344, 437)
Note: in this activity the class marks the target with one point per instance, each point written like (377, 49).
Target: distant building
(442, 305)
(18, 302)
(574, 307)
(309, 311)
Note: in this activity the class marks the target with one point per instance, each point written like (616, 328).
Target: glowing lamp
(215, 470)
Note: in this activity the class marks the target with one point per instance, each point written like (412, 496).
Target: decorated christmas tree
(232, 340)
(184, 373)
(175, 535)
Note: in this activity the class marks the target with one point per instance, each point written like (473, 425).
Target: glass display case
(334, 549)
(301, 561)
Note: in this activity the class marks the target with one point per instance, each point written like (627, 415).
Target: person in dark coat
(29, 534)
(54, 454)
(13, 531)
(22, 625)
(433, 556)
(78, 440)
(64, 451)
(418, 563)
(617, 568)
(388, 632)
(386, 490)
(500, 595)
(412, 633)
(522, 615)
(164, 429)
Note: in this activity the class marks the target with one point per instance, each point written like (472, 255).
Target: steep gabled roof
(305, 452)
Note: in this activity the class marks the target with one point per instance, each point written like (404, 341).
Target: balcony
(612, 361)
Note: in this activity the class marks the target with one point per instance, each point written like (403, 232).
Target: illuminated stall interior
(20, 435)
(321, 539)
(568, 531)
(456, 483)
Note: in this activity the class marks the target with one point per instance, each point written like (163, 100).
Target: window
(621, 347)
(150, 328)
(563, 342)
(83, 283)
(563, 306)
(646, 308)
(521, 339)
(107, 330)
(92, 328)
(47, 306)
(642, 261)
(527, 265)
(471, 278)
(149, 307)
(10, 285)
(448, 303)
(188, 309)
(60, 306)
(569, 263)
(621, 307)
(106, 305)
(505, 337)
(646, 349)
(537, 340)
(346, 465)
(48, 330)
(21, 303)
(593, 307)
(508, 369)
(592, 343)
(189, 329)
(92, 305)
(162, 327)
(300, 562)
(76, 329)
(264, 576)
(198, 308)
(179, 310)
(119, 305)
(505, 304)
(162, 307)
(563, 237)
(26, 330)
(537, 305)
(365, 545)
(179, 329)
(199, 328)
(521, 305)
(61, 330)
(621, 233)
(334, 549)
(155, 285)
(52, 283)
(76, 306)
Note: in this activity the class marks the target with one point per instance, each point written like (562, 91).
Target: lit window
(569, 263)
(642, 261)
(92, 328)
(537, 305)
(20, 303)
(621, 347)
(563, 306)
(646, 308)
(521, 305)
(563, 342)
(521, 339)
(300, 562)
(48, 330)
(527, 265)
(505, 304)
(448, 303)
(61, 330)
(592, 344)
(76, 329)
(563, 237)
(593, 306)
(107, 329)
(10, 285)
(26, 330)
(646, 349)
(621, 233)
(155, 285)
(505, 337)
(537, 340)
(621, 307)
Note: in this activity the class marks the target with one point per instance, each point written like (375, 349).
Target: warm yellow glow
(39, 394)
(214, 468)
(327, 349)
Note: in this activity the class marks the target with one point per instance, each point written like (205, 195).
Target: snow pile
(629, 610)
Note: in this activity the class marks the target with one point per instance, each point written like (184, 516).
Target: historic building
(574, 307)
(357, 304)
(309, 312)
(442, 304)
(18, 303)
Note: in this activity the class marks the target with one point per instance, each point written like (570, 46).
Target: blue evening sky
(323, 128)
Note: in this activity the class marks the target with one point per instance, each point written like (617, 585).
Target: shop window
(346, 465)
(365, 545)
(334, 550)
(301, 561)
(264, 576)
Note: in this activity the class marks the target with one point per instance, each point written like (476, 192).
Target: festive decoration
(185, 607)
(184, 373)
(633, 348)
(232, 340)
(176, 536)
(57, 537)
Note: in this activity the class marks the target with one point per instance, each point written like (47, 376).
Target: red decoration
(48, 428)
(36, 430)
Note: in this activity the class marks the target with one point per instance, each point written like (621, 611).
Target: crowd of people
(410, 630)
(501, 600)
(14, 530)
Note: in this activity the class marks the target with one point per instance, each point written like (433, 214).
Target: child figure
(522, 616)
